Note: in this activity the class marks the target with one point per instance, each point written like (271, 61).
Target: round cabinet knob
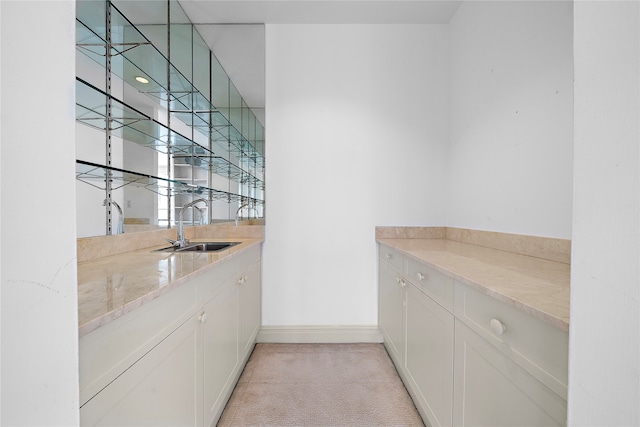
(388, 256)
(398, 280)
(402, 283)
(498, 327)
(420, 276)
(203, 318)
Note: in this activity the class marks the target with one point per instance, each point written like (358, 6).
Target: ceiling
(321, 11)
(229, 28)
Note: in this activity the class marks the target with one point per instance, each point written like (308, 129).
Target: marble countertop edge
(546, 299)
(167, 285)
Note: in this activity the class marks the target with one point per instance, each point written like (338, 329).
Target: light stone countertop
(112, 286)
(536, 286)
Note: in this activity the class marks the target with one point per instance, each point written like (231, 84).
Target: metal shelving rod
(109, 120)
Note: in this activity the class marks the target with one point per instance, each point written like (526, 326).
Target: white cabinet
(175, 360)
(160, 389)
(418, 332)
(492, 390)
(466, 358)
(429, 356)
(220, 350)
(233, 318)
(111, 349)
(541, 349)
(391, 308)
(250, 306)
(523, 359)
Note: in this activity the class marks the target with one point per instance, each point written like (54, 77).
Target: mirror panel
(167, 127)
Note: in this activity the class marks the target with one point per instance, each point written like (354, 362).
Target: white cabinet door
(429, 356)
(250, 308)
(391, 312)
(220, 342)
(160, 389)
(490, 389)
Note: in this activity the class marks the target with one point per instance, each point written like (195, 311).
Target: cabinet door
(391, 312)
(160, 389)
(250, 308)
(490, 389)
(220, 342)
(429, 356)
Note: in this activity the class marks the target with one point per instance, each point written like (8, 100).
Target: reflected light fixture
(142, 80)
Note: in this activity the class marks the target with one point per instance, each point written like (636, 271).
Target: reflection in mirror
(159, 124)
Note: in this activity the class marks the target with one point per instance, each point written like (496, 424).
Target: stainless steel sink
(200, 247)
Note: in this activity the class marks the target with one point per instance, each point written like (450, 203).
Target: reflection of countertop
(111, 286)
(536, 286)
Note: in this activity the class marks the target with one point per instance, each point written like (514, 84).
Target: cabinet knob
(420, 276)
(388, 256)
(498, 327)
(203, 318)
(242, 280)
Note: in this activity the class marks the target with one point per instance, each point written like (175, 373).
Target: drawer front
(538, 347)
(110, 350)
(490, 389)
(391, 257)
(248, 257)
(435, 284)
(212, 282)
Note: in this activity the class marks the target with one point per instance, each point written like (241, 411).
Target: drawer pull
(498, 327)
(420, 276)
(388, 256)
(203, 318)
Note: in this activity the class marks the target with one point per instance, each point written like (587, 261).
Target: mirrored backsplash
(159, 125)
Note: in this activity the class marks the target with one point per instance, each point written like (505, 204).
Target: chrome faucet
(199, 209)
(244, 205)
(120, 227)
(181, 242)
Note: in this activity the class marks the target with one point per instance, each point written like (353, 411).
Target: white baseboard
(319, 334)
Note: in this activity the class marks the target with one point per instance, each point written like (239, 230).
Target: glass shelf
(96, 175)
(143, 59)
(132, 125)
(129, 123)
(221, 166)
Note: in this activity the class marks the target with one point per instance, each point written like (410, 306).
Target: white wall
(604, 347)
(510, 160)
(39, 384)
(357, 134)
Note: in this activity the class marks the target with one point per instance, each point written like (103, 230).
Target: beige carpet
(319, 385)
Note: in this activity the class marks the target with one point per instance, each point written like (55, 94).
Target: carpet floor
(319, 385)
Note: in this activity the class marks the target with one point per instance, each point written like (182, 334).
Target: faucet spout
(244, 205)
(238, 211)
(181, 241)
(120, 227)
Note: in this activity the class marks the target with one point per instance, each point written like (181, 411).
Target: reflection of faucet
(181, 242)
(120, 227)
(244, 205)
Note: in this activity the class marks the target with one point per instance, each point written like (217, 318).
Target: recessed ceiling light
(142, 80)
